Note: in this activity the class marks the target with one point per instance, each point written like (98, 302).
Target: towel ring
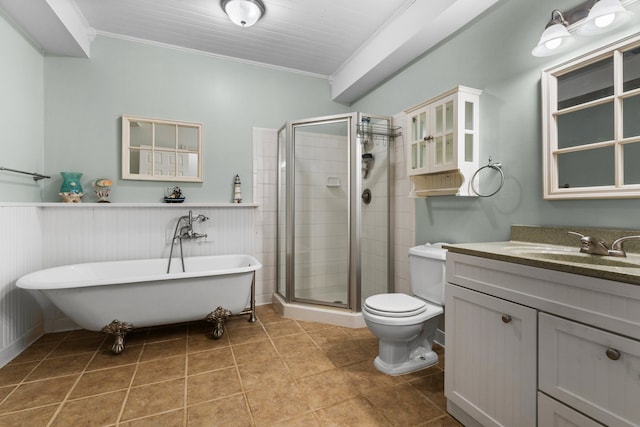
(490, 165)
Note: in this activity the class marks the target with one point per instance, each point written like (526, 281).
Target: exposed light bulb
(605, 20)
(553, 43)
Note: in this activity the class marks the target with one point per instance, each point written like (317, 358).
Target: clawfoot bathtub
(117, 296)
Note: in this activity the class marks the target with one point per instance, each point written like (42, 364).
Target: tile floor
(275, 372)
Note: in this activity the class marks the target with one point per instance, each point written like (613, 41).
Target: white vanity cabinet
(443, 142)
(570, 355)
(594, 371)
(500, 337)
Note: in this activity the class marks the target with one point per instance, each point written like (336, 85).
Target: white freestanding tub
(140, 293)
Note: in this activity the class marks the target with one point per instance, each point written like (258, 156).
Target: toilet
(404, 324)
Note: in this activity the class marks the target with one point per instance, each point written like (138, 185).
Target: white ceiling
(355, 43)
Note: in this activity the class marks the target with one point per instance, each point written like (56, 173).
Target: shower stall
(333, 234)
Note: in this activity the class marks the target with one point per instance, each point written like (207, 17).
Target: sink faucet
(591, 245)
(616, 246)
(596, 246)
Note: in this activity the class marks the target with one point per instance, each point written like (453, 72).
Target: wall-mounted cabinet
(443, 143)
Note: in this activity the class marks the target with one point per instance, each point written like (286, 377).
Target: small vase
(71, 189)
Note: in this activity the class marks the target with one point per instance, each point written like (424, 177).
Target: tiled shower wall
(52, 235)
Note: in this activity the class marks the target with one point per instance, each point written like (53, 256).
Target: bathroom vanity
(541, 334)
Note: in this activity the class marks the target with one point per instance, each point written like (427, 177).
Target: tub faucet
(185, 232)
(616, 246)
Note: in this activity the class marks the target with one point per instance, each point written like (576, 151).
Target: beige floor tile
(279, 329)
(164, 349)
(230, 411)
(446, 421)
(38, 417)
(271, 404)
(328, 336)
(402, 406)
(308, 363)
(38, 393)
(365, 378)
(60, 366)
(267, 314)
(5, 391)
(78, 346)
(212, 385)
(254, 352)
(168, 419)
(154, 398)
(14, 373)
(169, 332)
(291, 344)
(210, 360)
(82, 334)
(326, 388)
(103, 381)
(202, 342)
(352, 351)
(312, 326)
(247, 334)
(106, 359)
(256, 375)
(98, 410)
(352, 413)
(302, 420)
(54, 337)
(431, 386)
(36, 352)
(160, 370)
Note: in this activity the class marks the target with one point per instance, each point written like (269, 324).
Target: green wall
(494, 55)
(21, 115)
(85, 98)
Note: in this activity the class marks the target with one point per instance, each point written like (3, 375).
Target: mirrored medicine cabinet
(591, 125)
(161, 150)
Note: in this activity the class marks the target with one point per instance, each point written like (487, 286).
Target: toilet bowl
(405, 325)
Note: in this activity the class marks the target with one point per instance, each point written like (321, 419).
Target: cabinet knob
(613, 354)
(506, 318)
(428, 138)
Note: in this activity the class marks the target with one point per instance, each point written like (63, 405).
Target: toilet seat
(394, 305)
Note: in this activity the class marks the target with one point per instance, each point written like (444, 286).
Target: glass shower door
(321, 212)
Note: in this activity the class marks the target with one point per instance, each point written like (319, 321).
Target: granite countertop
(546, 247)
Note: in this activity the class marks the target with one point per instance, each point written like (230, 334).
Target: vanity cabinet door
(490, 358)
(552, 413)
(593, 371)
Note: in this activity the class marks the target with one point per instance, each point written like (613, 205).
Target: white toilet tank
(427, 268)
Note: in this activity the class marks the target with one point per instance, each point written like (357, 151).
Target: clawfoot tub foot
(118, 329)
(217, 317)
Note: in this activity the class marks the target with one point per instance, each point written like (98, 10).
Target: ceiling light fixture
(589, 18)
(244, 13)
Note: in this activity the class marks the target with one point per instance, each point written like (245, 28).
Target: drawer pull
(506, 318)
(613, 354)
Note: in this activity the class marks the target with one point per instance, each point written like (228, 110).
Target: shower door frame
(353, 226)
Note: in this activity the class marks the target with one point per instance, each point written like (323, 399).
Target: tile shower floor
(275, 372)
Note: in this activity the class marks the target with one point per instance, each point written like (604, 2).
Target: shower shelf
(378, 130)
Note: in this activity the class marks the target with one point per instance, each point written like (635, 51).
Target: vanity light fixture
(553, 36)
(603, 16)
(588, 18)
(244, 13)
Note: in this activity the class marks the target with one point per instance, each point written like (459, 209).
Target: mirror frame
(550, 151)
(127, 148)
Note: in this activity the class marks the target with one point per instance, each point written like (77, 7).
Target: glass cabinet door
(443, 133)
